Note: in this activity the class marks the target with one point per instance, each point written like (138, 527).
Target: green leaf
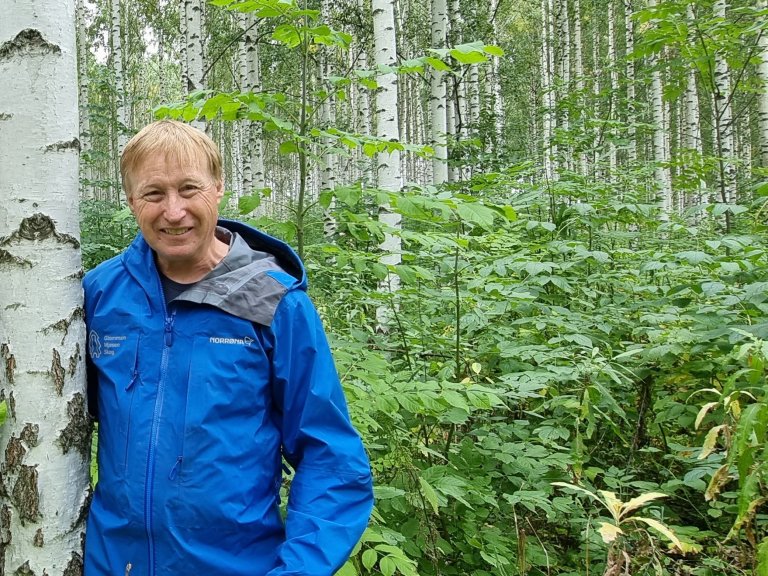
(369, 558)
(493, 50)
(437, 64)
(3, 412)
(288, 147)
(477, 214)
(387, 566)
(249, 203)
(429, 494)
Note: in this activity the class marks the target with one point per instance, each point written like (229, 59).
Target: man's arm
(331, 493)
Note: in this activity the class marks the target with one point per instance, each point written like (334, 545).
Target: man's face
(176, 207)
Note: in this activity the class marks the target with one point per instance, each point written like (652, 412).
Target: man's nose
(175, 207)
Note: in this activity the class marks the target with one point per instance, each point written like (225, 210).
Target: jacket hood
(249, 283)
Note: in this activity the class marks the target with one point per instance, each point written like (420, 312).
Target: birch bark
(762, 69)
(46, 437)
(437, 98)
(388, 171)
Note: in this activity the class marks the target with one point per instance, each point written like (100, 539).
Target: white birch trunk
(724, 117)
(614, 78)
(762, 70)
(498, 102)
(193, 10)
(692, 116)
(547, 91)
(629, 70)
(388, 171)
(119, 124)
(578, 71)
(661, 170)
(46, 437)
(437, 97)
(85, 118)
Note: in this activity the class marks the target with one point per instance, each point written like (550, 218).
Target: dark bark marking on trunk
(10, 362)
(24, 570)
(73, 144)
(5, 116)
(74, 360)
(82, 515)
(12, 406)
(38, 541)
(38, 227)
(14, 454)
(64, 324)
(28, 41)
(30, 434)
(5, 535)
(75, 566)
(57, 373)
(77, 434)
(25, 495)
(8, 258)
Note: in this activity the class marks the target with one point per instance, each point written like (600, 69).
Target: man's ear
(220, 189)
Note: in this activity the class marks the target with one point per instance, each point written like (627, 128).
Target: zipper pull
(169, 331)
(134, 377)
(175, 469)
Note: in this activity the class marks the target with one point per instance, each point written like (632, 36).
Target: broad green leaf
(437, 64)
(369, 558)
(387, 566)
(347, 570)
(429, 494)
(493, 50)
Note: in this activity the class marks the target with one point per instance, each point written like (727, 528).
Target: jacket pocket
(116, 358)
(230, 440)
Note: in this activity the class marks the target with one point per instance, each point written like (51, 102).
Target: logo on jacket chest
(241, 341)
(108, 345)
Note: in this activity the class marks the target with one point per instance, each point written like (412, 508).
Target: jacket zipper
(149, 484)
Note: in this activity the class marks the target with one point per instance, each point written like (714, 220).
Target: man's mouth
(176, 231)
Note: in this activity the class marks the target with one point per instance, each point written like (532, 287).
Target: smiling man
(208, 366)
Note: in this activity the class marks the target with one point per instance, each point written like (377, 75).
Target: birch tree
(762, 71)
(388, 171)
(723, 113)
(46, 437)
(660, 154)
(437, 98)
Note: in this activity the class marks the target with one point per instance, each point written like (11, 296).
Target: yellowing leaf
(703, 412)
(476, 367)
(710, 441)
(719, 479)
(609, 532)
(641, 500)
(661, 528)
(613, 504)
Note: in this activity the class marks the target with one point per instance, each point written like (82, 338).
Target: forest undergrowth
(566, 383)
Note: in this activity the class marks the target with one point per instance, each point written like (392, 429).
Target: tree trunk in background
(437, 98)
(547, 91)
(723, 113)
(46, 437)
(562, 74)
(578, 70)
(85, 118)
(613, 101)
(193, 11)
(660, 157)
(692, 116)
(495, 79)
(762, 70)
(629, 70)
(328, 160)
(388, 168)
(119, 121)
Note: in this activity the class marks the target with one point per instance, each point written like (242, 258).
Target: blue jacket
(198, 403)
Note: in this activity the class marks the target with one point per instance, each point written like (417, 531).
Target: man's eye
(189, 190)
(153, 196)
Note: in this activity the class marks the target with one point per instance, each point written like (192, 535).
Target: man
(207, 366)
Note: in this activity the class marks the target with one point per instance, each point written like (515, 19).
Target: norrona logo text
(242, 341)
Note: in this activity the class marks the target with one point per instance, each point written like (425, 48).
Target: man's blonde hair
(175, 140)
